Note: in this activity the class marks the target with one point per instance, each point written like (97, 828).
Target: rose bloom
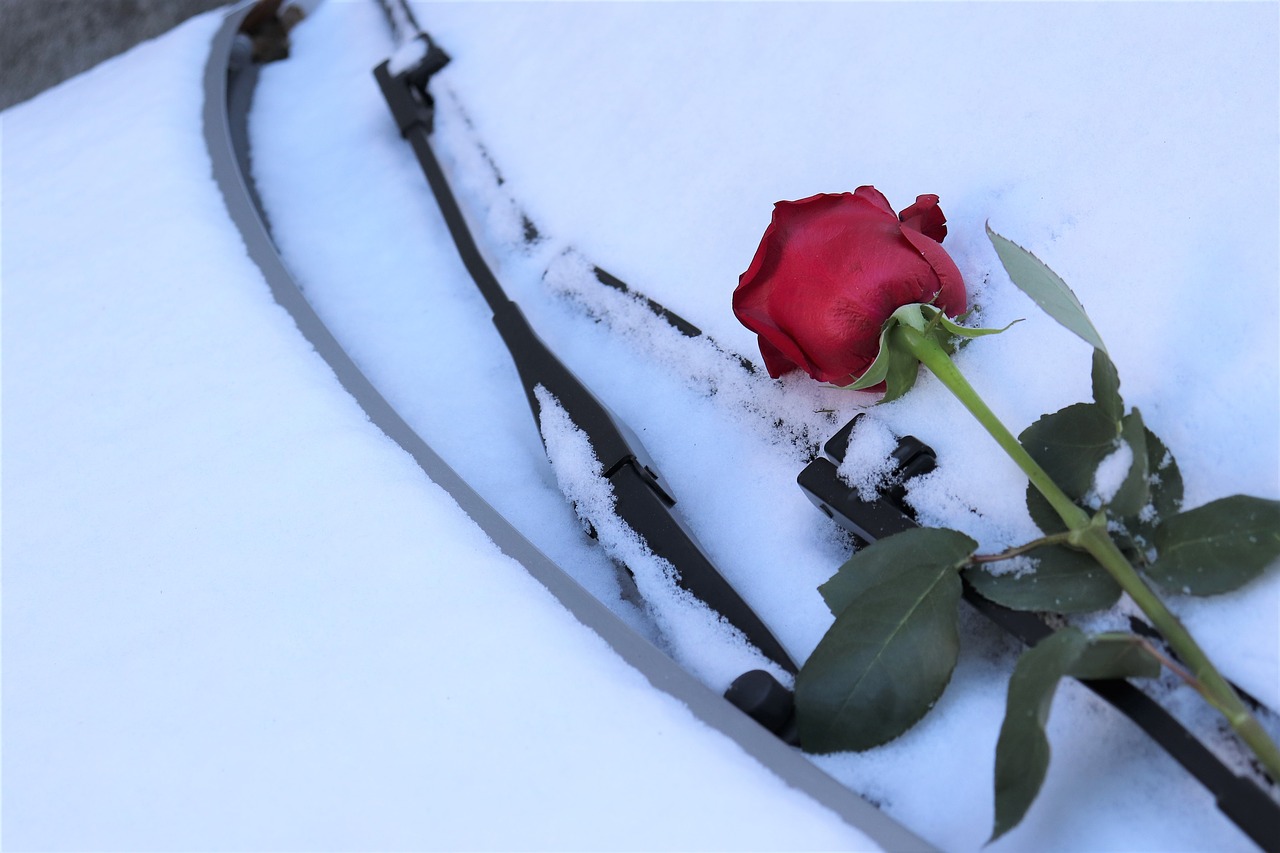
(831, 269)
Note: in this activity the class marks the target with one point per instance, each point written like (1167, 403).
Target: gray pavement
(43, 42)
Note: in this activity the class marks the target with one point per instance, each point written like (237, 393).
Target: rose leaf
(1106, 386)
(1217, 547)
(1063, 581)
(893, 646)
(1045, 288)
(1135, 491)
(1022, 752)
(1166, 488)
(1070, 443)
(1043, 513)
(885, 559)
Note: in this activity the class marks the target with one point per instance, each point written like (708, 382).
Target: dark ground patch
(43, 42)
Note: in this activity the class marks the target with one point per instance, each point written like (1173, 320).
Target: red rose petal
(829, 271)
(926, 217)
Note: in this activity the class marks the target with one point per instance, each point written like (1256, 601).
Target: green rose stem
(1090, 534)
(1055, 539)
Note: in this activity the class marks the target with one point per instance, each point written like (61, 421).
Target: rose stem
(1054, 539)
(1091, 535)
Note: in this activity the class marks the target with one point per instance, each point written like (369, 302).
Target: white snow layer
(703, 641)
(868, 464)
(406, 55)
(645, 138)
(1111, 474)
(235, 615)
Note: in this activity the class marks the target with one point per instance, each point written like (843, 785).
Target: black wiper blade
(642, 500)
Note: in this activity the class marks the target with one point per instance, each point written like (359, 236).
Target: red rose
(831, 269)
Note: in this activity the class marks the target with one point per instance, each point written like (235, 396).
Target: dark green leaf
(1106, 386)
(1070, 443)
(1217, 547)
(1137, 539)
(1064, 581)
(1045, 287)
(891, 651)
(1074, 465)
(1135, 491)
(1166, 489)
(1022, 753)
(1043, 513)
(920, 548)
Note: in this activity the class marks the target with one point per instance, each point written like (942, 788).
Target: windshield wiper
(643, 501)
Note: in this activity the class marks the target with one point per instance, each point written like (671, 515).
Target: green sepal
(879, 369)
(1063, 581)
(1045, 288)
(893, 646)
(1217, 547)
(1022, 752)
(955, 329)
(891, 358)
(904, 369)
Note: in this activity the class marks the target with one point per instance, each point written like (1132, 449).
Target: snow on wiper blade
(642, 501)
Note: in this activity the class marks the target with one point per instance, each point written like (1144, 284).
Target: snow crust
(699, 638)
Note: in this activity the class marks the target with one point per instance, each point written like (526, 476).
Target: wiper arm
(642, 501)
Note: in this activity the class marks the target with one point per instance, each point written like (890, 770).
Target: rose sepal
(895, 364)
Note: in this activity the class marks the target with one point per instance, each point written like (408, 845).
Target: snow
(1110, 475)
(235, 615)
(226, 595)
(868, 464)
(407, 56)
(707, 645)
